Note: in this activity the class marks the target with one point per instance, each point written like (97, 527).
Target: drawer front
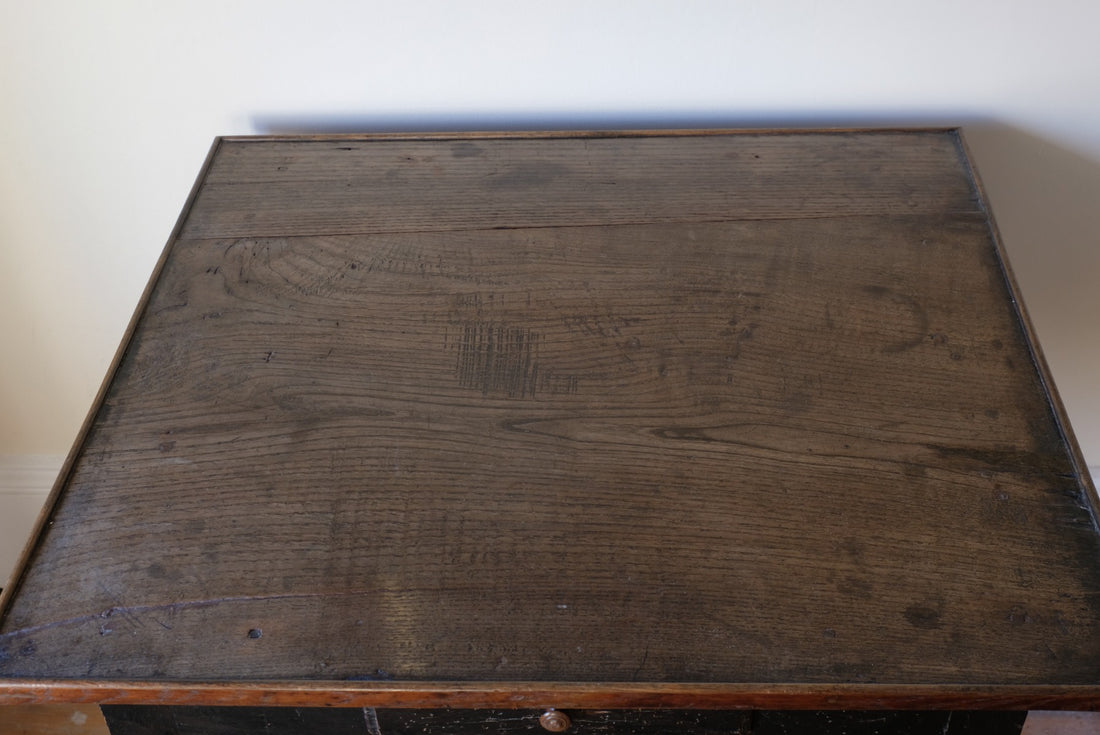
(693, 722)
(171, 720)
(571, 722)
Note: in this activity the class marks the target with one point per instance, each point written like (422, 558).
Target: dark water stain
(534, 173)
(920, 316)
(466, 150)
(1006, 459)
(855, 587)
(924, 617)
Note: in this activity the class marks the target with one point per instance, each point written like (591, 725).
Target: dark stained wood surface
(346, 186)
(715, 411)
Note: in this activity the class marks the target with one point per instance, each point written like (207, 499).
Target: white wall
(108, 109)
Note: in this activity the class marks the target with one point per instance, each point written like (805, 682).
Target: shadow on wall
(1045, 197)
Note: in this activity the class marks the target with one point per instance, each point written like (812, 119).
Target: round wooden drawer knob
(555, 721)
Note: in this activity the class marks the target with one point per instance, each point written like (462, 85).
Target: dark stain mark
(914, 471)
(527, 175)
(466, 150)
(739, 336)
(992, 413)
(696, 434)
(255, 633)
(828, 633)
(798, 403)
(855, 587)
(171, 307)
(378, 675)
(728, 435)
(923, 617)
(1018, 616)
(269, 357)
(854, 548)
(494, 358)
(914, 306)
(1004, 459)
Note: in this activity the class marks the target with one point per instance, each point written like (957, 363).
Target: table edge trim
(563, 695)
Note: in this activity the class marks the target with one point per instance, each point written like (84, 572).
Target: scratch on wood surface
(495, 358)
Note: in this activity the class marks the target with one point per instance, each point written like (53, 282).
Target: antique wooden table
(616, 433)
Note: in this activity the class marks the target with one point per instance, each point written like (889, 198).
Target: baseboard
(25, 482)
(28, 473)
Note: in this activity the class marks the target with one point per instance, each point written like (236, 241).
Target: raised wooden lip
(1058, 409)
(490, 134)
(561, 695)
(15, 582)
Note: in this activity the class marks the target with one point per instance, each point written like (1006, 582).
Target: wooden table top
(715, 419)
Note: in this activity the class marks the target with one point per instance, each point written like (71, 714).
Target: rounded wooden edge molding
(542, 695)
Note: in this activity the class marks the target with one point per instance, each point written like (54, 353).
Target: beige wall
(109, 108)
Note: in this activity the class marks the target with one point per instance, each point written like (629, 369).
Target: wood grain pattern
(762, 412)
(262, 188)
